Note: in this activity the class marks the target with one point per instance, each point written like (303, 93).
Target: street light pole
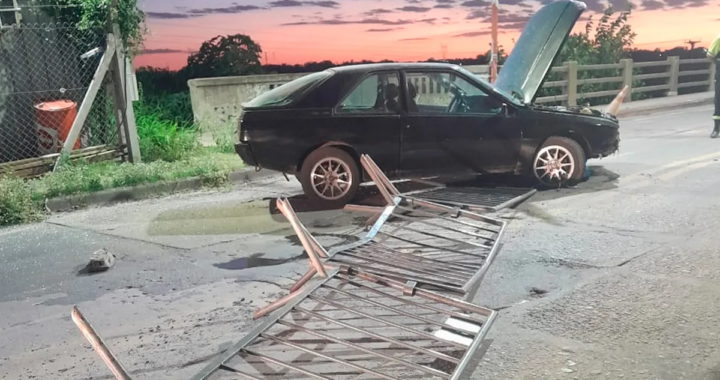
(494, 43)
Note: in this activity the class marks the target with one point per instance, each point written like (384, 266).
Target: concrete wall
(216, 102)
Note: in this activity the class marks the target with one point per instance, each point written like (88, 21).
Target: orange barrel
(53, 121)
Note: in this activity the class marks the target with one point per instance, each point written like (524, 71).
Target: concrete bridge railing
(216, 102)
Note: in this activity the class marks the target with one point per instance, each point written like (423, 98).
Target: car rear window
(288, 92)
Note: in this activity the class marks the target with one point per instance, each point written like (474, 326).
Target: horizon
(399, 30)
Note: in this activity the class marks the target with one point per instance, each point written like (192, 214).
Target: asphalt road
(613, 279)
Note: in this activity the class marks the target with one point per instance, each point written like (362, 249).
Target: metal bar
(89, 97)
(287, 210)
(237, 372)
(468, 269)
(261, 312)
(419, 264)
(462, 368)
(457, 288)
(99, 345)
(428, 245)
(515, 200)
(228, 354)
(326, 357)
(406, 363)
(383, 178)
(456, 220)
(286, 365)
(478, 236)
(445, 237)
(409, 346)
(376, 179)
(380, 320)
(423, 306)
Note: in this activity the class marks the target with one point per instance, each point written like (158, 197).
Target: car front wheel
(330, 177)
(559, 162)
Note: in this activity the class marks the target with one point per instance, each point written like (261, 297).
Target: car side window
(376, 93)
(446, 93)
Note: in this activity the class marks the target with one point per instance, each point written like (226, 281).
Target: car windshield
(288, 92)
(515, 99)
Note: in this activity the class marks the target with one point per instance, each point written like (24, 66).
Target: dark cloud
(475, 3)
(477, 13)
(168, 15)
(362, 22)
(621, 5)
(296, 3)
(378, 11)
(381, 30)
(412, 8)
(162, 51)
(225, 10)
(414, 39)
(443, 6)
(652, 5)
(445, 1)
(686, 3)
(474, 34)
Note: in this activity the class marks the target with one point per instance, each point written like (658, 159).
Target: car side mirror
(504, 110)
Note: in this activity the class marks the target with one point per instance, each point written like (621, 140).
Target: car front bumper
(246, 153)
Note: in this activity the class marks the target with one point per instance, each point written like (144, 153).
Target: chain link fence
(45, 72)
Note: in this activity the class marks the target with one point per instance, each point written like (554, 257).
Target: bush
(16, 202)
(163, 139)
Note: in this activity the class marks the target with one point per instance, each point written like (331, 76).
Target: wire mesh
(355, 325)
(43, 80)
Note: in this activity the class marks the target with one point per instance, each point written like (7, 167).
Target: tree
(612, 41)
(222, 56)
(94, 16)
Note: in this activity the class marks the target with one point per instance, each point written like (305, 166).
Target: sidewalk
(665, 104)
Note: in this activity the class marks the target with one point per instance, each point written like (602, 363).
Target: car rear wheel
(559, 162)
(330, 177)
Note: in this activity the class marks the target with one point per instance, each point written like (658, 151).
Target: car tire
(559, 162)
(339, 166)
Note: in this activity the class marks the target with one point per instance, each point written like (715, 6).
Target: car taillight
(244, 137)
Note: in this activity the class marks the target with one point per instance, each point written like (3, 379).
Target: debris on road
(100, 261)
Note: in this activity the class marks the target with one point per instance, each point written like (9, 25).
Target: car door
(368, 118)
(454, 126)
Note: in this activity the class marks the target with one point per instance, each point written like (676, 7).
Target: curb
(140, 192)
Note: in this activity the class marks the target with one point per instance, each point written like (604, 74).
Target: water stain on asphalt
(236, 218)
(256, 260)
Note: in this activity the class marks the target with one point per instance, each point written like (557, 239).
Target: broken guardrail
(385, 308)
(476, 199)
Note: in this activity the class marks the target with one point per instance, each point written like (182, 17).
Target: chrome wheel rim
(331, 178)
(554, 164)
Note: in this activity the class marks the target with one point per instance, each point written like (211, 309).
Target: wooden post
(712, 76)
(571, 76)
(674, 71)
(89, 97)
(627, 74)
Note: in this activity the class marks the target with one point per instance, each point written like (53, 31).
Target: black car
(427, 119)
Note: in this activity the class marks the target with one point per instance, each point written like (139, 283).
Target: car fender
(339, 144)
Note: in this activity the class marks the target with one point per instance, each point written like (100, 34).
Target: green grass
(170, 152)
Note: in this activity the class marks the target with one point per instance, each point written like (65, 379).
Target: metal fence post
(674, 71)
(712, 76)
(571, 76)
(627, 75)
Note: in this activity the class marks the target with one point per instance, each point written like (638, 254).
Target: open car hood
(530, 61)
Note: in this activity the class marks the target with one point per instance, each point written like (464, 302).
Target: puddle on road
(235, 218)
(257, 260)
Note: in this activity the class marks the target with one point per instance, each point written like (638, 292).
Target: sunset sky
(297, 31)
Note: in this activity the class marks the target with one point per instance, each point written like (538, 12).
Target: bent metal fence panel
(356, 325)
(434, 245)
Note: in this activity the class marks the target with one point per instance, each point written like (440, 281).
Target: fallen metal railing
(489, 199)
(385, 308)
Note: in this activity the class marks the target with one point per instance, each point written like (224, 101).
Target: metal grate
(443, 249)
(361, 326)
(493, 199)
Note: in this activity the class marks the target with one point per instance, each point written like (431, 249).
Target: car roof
(367, 67)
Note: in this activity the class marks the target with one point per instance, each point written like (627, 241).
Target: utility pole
(444, 52)
(494, 43)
